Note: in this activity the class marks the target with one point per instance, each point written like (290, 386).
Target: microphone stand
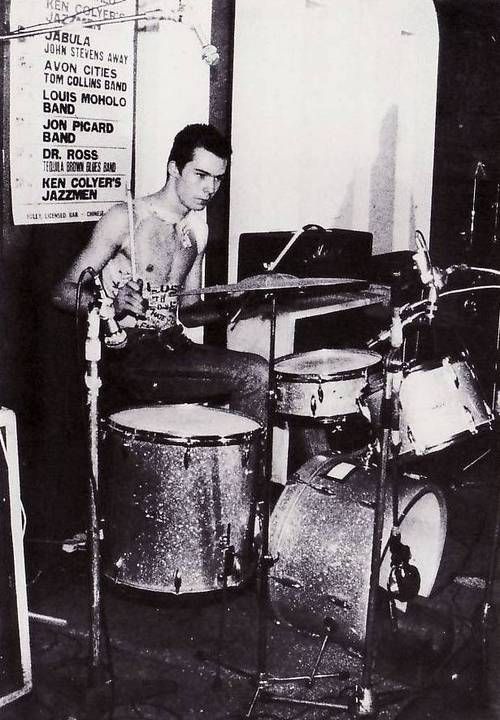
(271, 266)
(479, 167)
(98, 683)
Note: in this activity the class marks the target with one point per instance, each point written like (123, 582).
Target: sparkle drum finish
(179, 490)
(323, 384)
(440, 404)
(321, 534)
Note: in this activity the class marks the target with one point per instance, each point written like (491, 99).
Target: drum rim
(339, 375)
(411, 366)
(165, 438)
(456, 438)
(423, 487)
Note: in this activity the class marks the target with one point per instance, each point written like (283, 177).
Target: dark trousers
(148, 371)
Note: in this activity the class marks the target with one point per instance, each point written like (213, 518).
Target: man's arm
(105, 242)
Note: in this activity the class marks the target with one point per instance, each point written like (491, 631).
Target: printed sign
(71, 113)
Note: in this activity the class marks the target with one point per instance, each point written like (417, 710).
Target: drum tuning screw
(236, 573)
(245, 454)
(364, 705)
(329, 624)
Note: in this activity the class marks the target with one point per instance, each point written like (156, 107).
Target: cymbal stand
(265, 560)
(363, 704)
(479, 170)
(488, 602)
(264, 680)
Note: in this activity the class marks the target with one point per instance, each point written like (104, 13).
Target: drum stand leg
(264, 680)
(487, 607)
(227, 571)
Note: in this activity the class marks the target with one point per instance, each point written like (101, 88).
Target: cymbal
(273, 281)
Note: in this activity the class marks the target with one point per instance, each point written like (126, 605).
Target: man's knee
(258, 369)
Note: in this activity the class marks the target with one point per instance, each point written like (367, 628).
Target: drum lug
(288, 582)
(449, 368)
(236, 574)
(313, 405)
(321, 394)
(245, 452)
(118, 568)
(103, 429)
(363, 409)
(128, 438)
(177, 581)
(338, 602)
(470, 418)
(187, 457)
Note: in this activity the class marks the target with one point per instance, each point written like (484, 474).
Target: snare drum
(179, 493)
(321, 534)
(323, 384)
(440, 404)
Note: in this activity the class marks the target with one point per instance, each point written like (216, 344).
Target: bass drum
(321, 537)
(179, 490)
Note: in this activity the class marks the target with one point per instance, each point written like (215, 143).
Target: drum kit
(187, 489)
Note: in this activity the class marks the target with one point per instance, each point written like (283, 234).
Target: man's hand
(129, 300)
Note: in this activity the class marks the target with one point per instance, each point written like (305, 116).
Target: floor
(195, 655)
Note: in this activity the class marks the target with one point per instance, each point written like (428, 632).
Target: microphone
(114, 336)
(431, 276)
(480, 170)
(209, 52)
(404, 578)
(422, 262)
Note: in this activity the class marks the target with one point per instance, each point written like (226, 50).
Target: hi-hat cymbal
(273, 281)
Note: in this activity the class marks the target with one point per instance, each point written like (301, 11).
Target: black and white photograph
(250, 359)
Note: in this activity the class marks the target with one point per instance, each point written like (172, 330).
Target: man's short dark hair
(195, 136)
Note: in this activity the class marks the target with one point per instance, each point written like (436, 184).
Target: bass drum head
(321, 534)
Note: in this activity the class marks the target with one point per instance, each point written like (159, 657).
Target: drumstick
(131, 230)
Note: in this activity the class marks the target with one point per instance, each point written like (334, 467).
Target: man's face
(199, 180)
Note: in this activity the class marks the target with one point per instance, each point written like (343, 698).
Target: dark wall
(42, 375)
(467, 133)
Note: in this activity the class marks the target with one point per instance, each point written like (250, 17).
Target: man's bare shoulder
(198, 227)
(113, 225)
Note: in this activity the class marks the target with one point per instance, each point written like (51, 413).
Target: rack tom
(323, 384)
(440, 404)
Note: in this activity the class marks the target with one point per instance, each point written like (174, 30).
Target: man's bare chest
(162, 253)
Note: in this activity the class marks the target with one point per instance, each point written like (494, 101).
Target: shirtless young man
(170, 238)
